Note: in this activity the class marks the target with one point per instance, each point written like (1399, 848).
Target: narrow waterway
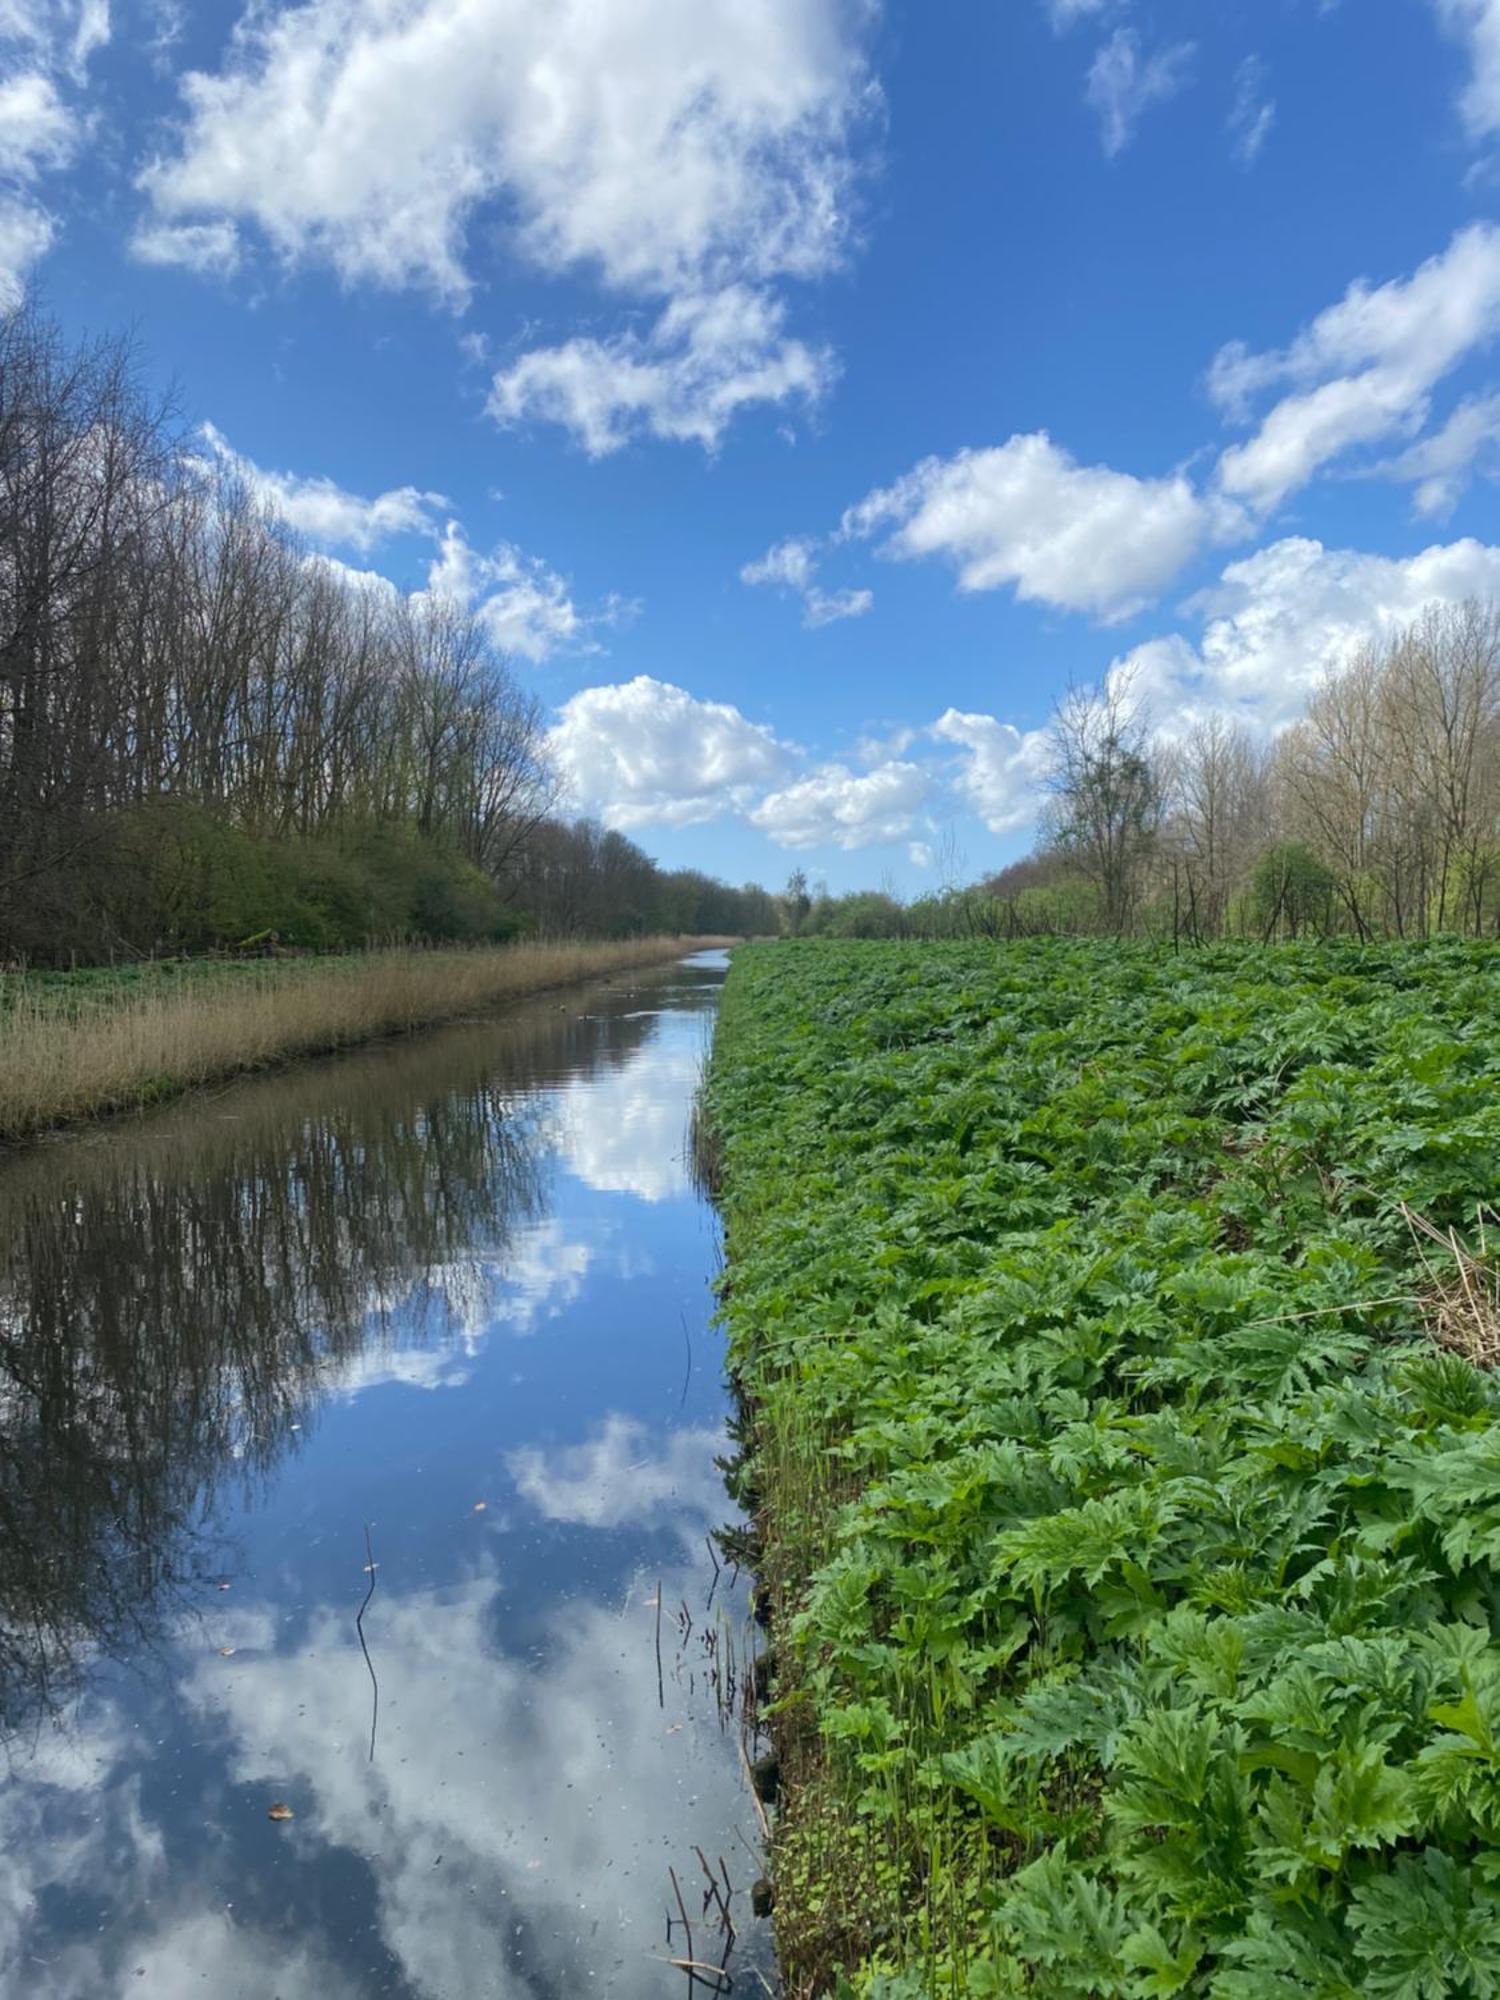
(441, 1307)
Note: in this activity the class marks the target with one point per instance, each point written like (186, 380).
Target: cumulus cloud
(836, 807)
(1251, 114)
(37, 130)
(1441, 465)
(324, 511)
(1361, 373)
(40, 129)
(663, 143)
(1476, 23)
(707, 357)
(1001, 768)
(691, 153)
(26, 233)
(792, 566)
(1123, 84)
(1026, 513)
(643, 753)
(1279, 619)
(521, 601)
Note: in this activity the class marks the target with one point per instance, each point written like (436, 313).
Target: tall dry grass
(153, 1044)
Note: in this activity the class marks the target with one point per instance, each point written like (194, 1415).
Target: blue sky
(806, 391)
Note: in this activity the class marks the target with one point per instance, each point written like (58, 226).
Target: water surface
(453, 1295)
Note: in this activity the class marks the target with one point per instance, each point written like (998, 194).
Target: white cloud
(26, 233)
(1067, 13)
(1277, 620)
(1252, 113)
(40, 131)
(1477, 24)
(643, 753)
(1002, 768)
(324, 511)
(522, 602)
(37, 130)
(1362, 372)
(691, 153)
(513, 1832)
(1123, 84)
(920, 854)
(667, 144)
(620, 1131)
(708, 356)
(201, 247)
(792, 565)
(836, 807)
(1026, 513)
(621, 1478)
(1442, 464)
(90, 32)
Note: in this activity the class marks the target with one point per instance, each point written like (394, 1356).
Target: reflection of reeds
(154, 1042)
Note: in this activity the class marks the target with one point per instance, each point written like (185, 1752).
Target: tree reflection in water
(176, 1295)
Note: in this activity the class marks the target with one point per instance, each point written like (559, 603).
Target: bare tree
(1106, 793)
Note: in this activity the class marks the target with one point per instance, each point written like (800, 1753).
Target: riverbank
(1127, 1492)
(86, 1045)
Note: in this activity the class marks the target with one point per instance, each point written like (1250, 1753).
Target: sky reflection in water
(451, 1289)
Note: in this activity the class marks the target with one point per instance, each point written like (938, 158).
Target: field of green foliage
(1113, 1328)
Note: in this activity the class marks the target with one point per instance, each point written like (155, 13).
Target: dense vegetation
(1126, 1460)
(208, 733)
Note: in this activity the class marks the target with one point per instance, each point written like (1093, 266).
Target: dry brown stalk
(1461, 1302)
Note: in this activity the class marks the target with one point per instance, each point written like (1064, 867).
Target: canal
(360, 1627)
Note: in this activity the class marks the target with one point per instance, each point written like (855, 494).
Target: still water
(444, 1306)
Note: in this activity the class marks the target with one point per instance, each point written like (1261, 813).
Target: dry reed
(1461, 1301)
(153, 1044)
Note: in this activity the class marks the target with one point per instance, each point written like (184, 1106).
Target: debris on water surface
(280, 1811)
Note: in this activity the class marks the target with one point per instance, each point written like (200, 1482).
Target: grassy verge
(78, 1045)
(1129, 1491)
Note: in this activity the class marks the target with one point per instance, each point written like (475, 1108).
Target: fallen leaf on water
(223, 1586)
(226, 1652)
(280, 1811)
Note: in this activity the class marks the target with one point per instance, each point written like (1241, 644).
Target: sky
(807, 393)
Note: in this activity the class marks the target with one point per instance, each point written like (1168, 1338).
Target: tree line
(1375, 815)
(209, 734)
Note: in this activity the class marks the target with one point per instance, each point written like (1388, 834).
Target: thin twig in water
(760, 1811)
(723, 1983)
(661, 1692)
(689, 1964)
(688, 1377)
(359, 1626)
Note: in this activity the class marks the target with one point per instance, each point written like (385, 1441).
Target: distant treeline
(1377, 814)
(210, 735)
